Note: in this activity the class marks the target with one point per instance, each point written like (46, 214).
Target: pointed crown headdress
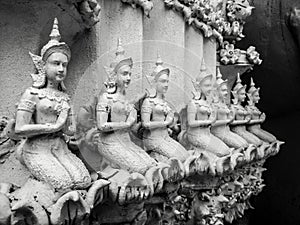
(120, 59)
(238, 87)
(54, 45)
(252, 88)
(202, 76)
(39, 79)
(159, 69)
(219, 80)
(251, 91)
(156, 73)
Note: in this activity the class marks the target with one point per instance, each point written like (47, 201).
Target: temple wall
(28, 23)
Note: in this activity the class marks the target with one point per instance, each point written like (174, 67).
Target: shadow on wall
(279, 78)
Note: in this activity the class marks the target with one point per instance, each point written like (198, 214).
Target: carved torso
(240, 112)
(117, 107)
(203, 109)
(202, 112)
(254, 111)
(49, 104)
(222, 111)
(160, 109)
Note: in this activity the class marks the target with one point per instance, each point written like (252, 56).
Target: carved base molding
(197, 198)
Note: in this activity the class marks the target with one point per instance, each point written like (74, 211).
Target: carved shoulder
(28, 100)
(191, 107)
(30, 94)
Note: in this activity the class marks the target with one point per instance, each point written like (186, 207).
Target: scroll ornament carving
(225, 20)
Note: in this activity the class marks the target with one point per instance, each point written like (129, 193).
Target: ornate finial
(252, 88)
(157, 72)
(120, 49)
(159, 69)
(252, 84)
(219, 75)
(238, 79)
(120, 59)
(204, 73)
(203, 66)
(54, 43)
(55, 35)
(113, 68)
(159, 61)
(219, 80)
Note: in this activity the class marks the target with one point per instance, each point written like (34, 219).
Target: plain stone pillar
(210, 54)
(164, 34)
(193, 58)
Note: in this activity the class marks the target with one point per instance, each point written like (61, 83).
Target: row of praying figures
(214, 138)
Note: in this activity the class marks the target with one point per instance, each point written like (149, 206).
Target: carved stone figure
(241, 115)
(200, 116)
(225, 116)
(43, 117)
(257, 117)
(157, 115)
(115, 116)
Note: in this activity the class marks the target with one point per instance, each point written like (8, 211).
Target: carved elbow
(146, 125)
(104, 127)
(19, 131)
(190, 123)
(101, 127)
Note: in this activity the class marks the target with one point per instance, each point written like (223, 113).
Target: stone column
(164, 34)
(193, 58)
(210, 54)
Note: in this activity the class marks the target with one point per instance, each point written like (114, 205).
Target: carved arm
(103, 110)
(25, 111)
(70, 125)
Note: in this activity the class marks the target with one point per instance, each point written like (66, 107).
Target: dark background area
(279, 79)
